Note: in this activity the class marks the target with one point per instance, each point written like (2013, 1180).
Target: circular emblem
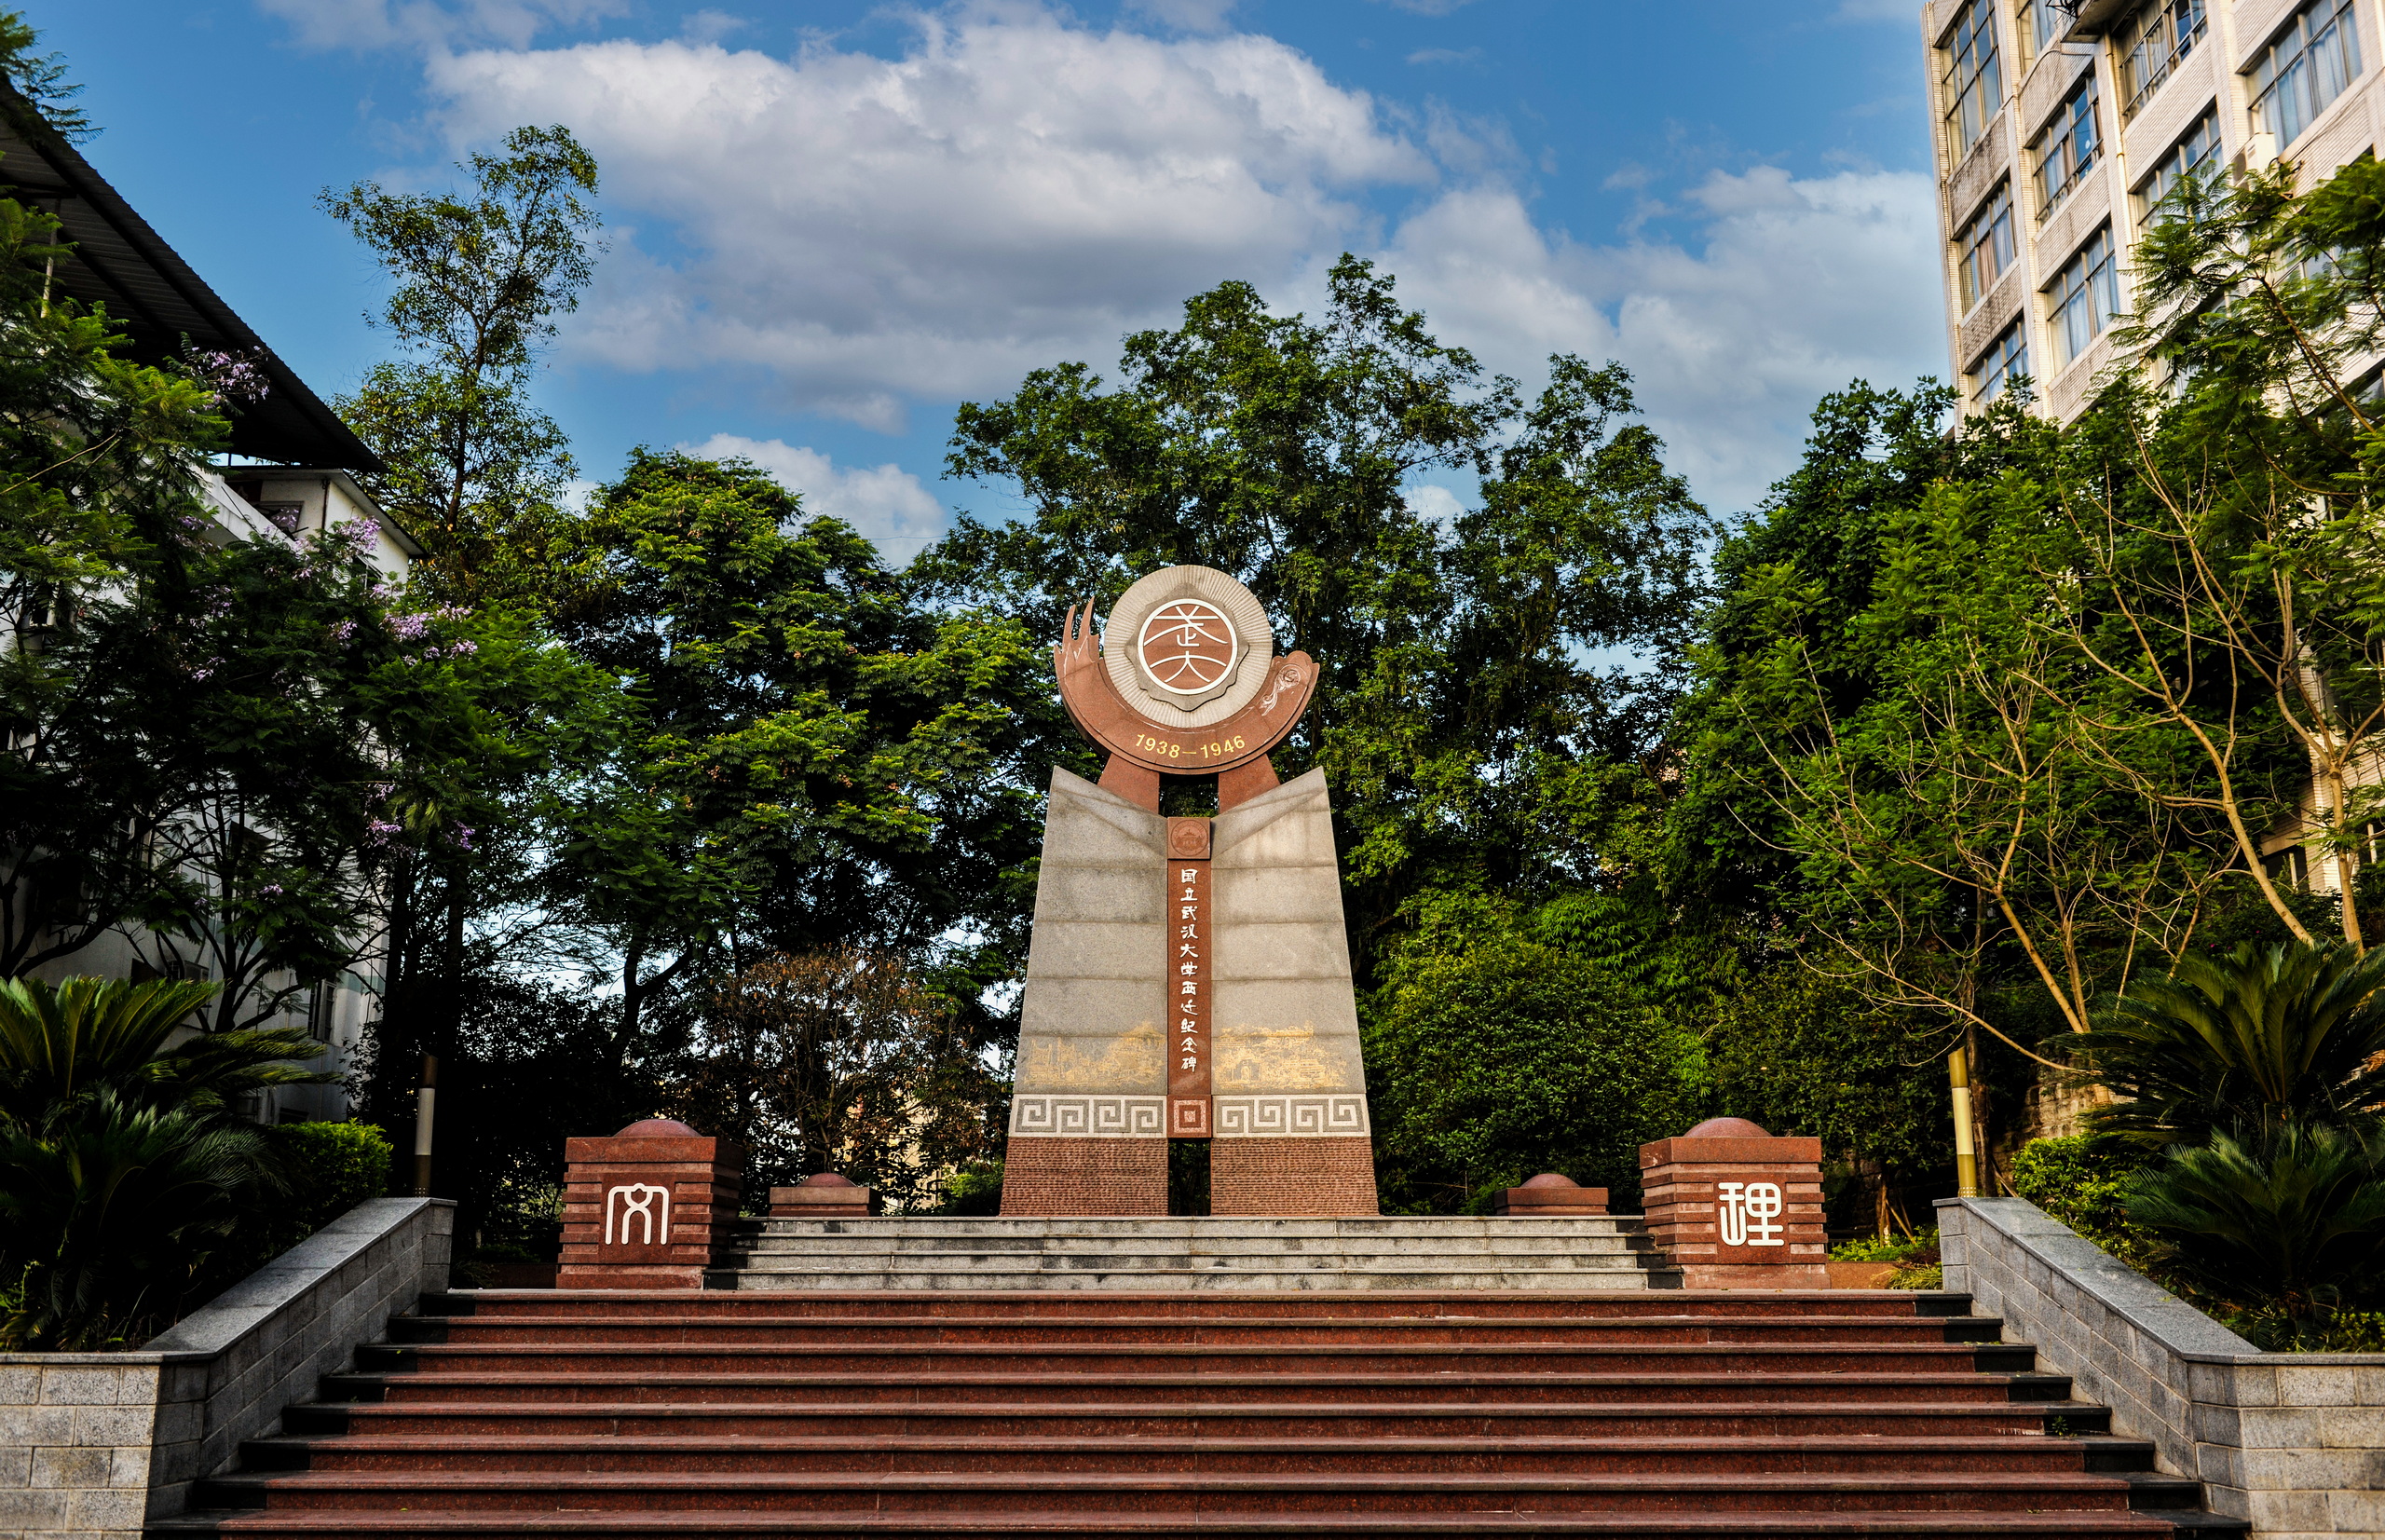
(1188, 648)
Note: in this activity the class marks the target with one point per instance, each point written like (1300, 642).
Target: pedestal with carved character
(1735, 1208)
(646, 1208)
(1188, 978)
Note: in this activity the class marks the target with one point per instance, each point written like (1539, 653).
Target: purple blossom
(271, 890)
(343, 631)
(381, 831)
(409, 628)
(235, 376)
(462, 837)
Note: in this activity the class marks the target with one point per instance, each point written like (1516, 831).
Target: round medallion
(1188, 648)
(1188, 644)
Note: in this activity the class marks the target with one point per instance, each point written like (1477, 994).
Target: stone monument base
(1328, 1175)
(1065, 1176)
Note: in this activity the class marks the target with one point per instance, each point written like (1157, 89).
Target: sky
(829, 221)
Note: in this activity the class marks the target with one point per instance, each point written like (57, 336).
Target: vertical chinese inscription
(1189, 952)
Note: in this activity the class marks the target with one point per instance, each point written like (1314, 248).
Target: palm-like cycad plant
(2285, 1216)
(119, 1160)
(61, 1043)
(107, 1211)
(2251, 1042)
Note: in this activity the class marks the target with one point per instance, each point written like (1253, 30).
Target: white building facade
(291, 471)
(2057, 128)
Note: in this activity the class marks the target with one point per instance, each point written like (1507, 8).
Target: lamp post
(1958, 1073)
(426, 1100)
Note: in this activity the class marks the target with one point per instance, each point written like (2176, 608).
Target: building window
(2007, 358)
(2043, 22)
(2067, 149)
(1974, 87)
(1986, 246)
(321, 999)
(2085, 295)
(2312, 61)
(2194, 155)
(2151, 45)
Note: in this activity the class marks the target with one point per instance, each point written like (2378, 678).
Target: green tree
(40, 80)
(813, 759)
(97, 496)
(2230, 493)
(475, 471)
(1472, 737)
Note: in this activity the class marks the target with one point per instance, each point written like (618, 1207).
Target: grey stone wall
(2294, 1442)
(93, 1444)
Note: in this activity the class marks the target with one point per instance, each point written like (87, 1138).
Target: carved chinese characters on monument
(1185, 942)
(1188, 977)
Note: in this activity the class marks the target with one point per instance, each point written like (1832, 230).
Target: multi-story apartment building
(2059, 126)
(292, 470)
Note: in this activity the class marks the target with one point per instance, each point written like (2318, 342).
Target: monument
(1188, 978)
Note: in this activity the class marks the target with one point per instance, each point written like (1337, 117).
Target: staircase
(1195, 1254)
(1093, 1413)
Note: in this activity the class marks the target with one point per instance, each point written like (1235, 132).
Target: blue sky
(829, 221)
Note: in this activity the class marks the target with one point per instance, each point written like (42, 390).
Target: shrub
(975, 1190)
(2083, 1181)
(319, 1171)
(1512, 1058)
(121, 1170)
(1886, 1249)
(106, 1210)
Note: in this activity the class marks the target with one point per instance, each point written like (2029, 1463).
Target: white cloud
(885, 502)
(1795, 287)
(859, 234)
(1012, 190)
(1445, 56)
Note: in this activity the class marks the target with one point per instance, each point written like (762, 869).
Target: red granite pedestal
(1331, 1176)
(646, 1208)
(1735, 1208)
(824, 1196)
(1552, 1194)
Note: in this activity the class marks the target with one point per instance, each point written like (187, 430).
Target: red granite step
(666, 1525)
(1106, 1304)
(1761, 1418)
(1035, 1328)
(905, 1416)
(1189, 1496)
(1089, 1391)
(1813, 1455)
(1138, 1358)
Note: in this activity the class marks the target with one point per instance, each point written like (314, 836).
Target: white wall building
(291, 470)
(2058, 127)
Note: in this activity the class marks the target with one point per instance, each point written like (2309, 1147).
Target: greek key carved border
(1088, 1117)
(1328, 1116)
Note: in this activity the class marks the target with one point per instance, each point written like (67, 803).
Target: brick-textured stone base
(1679, 1180)
(1284, 1177)
(1096, 1176)
(701, 1177)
